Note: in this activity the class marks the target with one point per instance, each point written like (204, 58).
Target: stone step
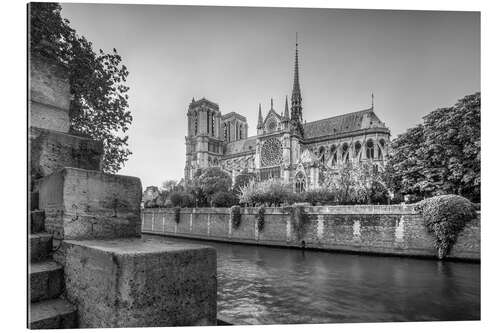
(53, 313)
(40, 246)
(46, 280)
(37, 221)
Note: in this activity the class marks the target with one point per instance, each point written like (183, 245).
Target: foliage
(442, 155)
(177, 214)
(99, 104)
(299, 220)
(169, 186)
(271, 192)
(321, 196)
(446, 216)
(242, 180)
(209, 182)
(224, 199)
(235, 216)
(182, 199)
(261, 218)
(356, 184)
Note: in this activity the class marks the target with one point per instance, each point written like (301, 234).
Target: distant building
(285, 146)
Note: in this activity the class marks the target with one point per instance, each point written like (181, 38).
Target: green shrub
(261, 218)
(235, 216)
(272, 192)
(299, 220)
(319, 196)
(379, 194)
(224, 199)
(182, 199)
(446, 216)
(177, 215)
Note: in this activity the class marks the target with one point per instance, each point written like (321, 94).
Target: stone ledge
(85, 204)
(140, 282)
(53, 150)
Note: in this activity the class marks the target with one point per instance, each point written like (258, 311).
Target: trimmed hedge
(446, 216)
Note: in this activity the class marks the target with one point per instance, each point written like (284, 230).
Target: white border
(13, 162)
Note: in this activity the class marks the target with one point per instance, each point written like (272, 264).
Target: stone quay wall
(380, 229)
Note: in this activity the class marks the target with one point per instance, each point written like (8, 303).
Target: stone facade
(381, 229)
(286, 146)
(49, 95)
(86, 204)
(141, 283)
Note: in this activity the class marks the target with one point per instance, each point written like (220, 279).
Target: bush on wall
(261, 218)
(299, 220)
(177, 215)
(446, 216)
(235, 216)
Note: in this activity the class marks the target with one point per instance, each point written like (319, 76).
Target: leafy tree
(209, 182)
(442, 155)
(242, 180)
(99, 104)
(224, 199)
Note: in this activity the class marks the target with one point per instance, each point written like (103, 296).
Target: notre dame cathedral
(285, 146)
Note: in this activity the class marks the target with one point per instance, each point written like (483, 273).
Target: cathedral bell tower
(204, 144)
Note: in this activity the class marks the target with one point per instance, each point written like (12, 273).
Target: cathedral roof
(344, 123)
(241, 146)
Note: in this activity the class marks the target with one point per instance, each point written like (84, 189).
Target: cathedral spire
(296, 100)
(287, 113)
(260, 121)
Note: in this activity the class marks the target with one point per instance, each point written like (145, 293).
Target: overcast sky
(413, 62)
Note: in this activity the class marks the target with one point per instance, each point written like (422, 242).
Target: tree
(442, 155)
(242, 180)
(211, 181)
(99, 104)
(169, 186)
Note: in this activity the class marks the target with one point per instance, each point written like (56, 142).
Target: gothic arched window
(333, 154)
(381, 148)
(357, 150)
(241, 131)
(321, 154)
(370, 149)
(213, 125)
(345, 152)
(196, 123)
(208, 122)
(300, 182)
(225, 132)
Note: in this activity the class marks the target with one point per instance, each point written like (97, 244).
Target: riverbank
(373, 229)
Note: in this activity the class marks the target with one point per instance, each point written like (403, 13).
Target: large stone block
(49, 95)
(140, 282)
(51, 151)
(85, 204)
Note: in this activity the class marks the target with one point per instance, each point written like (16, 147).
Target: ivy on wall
(235, 216)
(446, 216)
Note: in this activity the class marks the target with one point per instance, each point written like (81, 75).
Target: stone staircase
(48, 309)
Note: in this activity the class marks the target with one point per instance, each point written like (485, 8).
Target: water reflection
(263, 285)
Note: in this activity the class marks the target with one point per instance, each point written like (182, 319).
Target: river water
(265, 285)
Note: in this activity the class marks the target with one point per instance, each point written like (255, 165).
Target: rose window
(271, 152)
